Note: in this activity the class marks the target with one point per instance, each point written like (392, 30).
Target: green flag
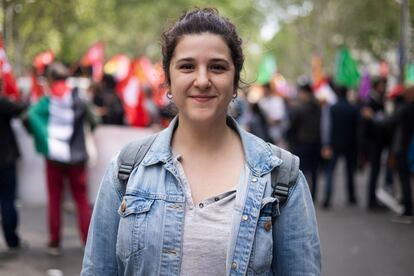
(267, 68)
(409, 74)
(347, 73)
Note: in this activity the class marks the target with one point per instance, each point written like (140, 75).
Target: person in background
(274, 109)
(376, 137)
(402, 120)
(258, 123)
(151, 107)
(304, 134)
(108, 105)
(344, 118)
(9, 152)
(57, 123)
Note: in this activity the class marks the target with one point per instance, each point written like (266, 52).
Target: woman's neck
(199, 138)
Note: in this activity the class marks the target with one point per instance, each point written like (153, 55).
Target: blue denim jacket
(141, 233)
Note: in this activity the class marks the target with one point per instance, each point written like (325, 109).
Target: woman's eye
(186, 67)
(217, 68)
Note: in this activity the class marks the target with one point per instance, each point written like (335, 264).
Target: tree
(364, 26)
(70, 27)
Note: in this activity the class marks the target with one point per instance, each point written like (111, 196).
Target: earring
(169, 95)
(234, 96)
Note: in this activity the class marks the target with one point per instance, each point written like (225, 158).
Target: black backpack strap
(284, 177)
(130, 157)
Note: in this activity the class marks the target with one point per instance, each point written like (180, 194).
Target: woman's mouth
(202, 98)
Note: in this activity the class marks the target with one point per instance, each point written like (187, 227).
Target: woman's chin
(202, 116)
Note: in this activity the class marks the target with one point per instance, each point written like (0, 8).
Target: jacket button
(254, 179)
(234, 266)
(123, 206)
(245, 217)
(268, 225)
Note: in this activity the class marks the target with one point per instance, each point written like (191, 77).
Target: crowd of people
(364, 132)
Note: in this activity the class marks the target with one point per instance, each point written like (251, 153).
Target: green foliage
(134, 27)
(370, 26)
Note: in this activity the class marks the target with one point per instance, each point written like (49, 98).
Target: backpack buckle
(124, 171)
(281, 190)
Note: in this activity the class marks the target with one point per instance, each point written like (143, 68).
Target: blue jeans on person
(9, 216)
(350, 160)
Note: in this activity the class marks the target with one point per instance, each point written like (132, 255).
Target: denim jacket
(141, 233)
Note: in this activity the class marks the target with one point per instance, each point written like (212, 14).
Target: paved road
(354, 242)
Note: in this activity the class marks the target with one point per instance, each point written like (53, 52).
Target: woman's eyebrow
(185, 59)
(220, 60)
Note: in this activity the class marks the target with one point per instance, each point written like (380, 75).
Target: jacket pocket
(262, 253)
(132, 225)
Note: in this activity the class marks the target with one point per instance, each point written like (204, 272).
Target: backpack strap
(130, 157)
(284, 177)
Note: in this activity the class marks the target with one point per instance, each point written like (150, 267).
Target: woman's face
(202, 75)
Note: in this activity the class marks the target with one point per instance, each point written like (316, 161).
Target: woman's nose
(202, 80)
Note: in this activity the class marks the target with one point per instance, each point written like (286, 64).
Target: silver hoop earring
(169, 95)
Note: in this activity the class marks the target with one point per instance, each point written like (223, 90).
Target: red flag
(95, 57)
(160, 90)
(42, 60)
(9, 83)
(131, 92)
(317, 72)
(146, 71)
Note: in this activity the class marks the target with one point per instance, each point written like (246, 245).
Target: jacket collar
(258, 154)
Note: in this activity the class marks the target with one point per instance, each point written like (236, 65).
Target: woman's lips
(202, 99)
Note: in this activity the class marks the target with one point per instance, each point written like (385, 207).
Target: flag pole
(403, 44)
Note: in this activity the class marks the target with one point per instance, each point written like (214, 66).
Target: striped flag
(56, 122)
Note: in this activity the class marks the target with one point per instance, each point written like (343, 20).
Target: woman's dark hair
(199, 21)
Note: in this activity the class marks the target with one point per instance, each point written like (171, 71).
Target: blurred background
(332, 81)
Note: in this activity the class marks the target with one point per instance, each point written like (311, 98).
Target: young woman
(197, 203)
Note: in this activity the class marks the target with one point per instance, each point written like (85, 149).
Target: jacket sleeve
(296, 245)
(100, 252)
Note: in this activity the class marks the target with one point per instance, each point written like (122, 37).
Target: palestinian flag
(56, 122)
